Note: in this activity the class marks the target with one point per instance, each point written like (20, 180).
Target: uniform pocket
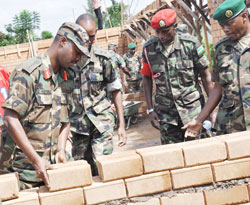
(96, 79)
(185, 72)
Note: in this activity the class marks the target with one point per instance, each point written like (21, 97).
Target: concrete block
(100, 192)
(119, 165)
(148, 184)
(70, 175)
(154, 201)
(192, 176)
(159, 159)
(9, 186)
(231, 195)
(238, 146)
(65, 197)
(26, 197)
(184, 199)
(234, 169)
(204, 153)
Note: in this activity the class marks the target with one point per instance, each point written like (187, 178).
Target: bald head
(87, 21)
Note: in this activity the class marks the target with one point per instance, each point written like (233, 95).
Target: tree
(46, 35)
(25, 21)
(114, 13)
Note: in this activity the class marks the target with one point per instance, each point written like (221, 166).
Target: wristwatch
(150, 111)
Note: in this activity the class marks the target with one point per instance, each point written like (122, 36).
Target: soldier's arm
(62, 139)
(206, 79)
(122, 135)
(15, 129)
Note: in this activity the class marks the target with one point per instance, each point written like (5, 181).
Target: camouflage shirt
(90, 93)
(178, 92)
(40, 97)
(117, 62)
(231, 71)
(133, 63)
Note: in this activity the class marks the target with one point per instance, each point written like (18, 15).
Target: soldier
(117, 61)
(174, 60)
(133, 64)
(92, 119)
(36, 109)
(231, 72)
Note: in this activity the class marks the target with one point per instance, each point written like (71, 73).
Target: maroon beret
(163, 19)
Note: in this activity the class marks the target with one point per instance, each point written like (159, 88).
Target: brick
(64, 197)
(231, 195)
(154, 201)
(187, 199)
(74, 174)
(148, 184)
(192, 176)
(204, 153)
(119, 165)
(100, 192)
(9, 186)
(160, 158)
(26, 197)
(238, 169)
(238, 145)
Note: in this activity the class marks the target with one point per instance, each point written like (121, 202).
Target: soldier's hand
(154, 119)
(192, 129)
(122, 136)
(61, 156)
(41, 166)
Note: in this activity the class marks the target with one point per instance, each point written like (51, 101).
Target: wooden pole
(107, 14)
(122, 13)
(73, 12)
(206, 40)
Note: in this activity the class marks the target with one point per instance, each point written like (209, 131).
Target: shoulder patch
(102, 52)
(152, 40)
(30, 65)
(188, 37)
(221, 41)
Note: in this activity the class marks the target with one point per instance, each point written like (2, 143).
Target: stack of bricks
(152, 170)
(216, 29)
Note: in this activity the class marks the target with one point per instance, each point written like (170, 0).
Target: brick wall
(207, 171)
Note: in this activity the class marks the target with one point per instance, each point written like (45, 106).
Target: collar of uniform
(47, 63)
(177, 45)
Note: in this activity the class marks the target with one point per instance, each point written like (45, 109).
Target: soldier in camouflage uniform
(133, 64)
(231, 72)
(92, 119)
(174, 60)
(36, 109)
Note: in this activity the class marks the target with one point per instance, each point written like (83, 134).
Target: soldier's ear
(62, 41)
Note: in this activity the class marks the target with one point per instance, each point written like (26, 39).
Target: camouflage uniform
(133, 63)
(231, 71)
(42, 104)
(92, 119)
(178, 97)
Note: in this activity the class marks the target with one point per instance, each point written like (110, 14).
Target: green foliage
(6, 39)
(25, 21)
(114, 12)
(46, 35)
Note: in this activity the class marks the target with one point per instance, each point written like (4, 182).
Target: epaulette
(187, 37)
(102, 52)
(152, 40)
(221, 41)
(30, 65)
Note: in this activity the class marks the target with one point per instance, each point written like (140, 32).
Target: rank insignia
(46, 73)
(65, 76)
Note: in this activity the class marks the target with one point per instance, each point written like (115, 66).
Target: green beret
(228, 10)
(132, 46)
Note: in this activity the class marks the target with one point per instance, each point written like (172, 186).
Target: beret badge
(162, 23)
(229, 13)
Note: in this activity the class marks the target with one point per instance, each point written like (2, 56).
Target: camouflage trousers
(171, 134)
(135, 86)
(87, 147)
